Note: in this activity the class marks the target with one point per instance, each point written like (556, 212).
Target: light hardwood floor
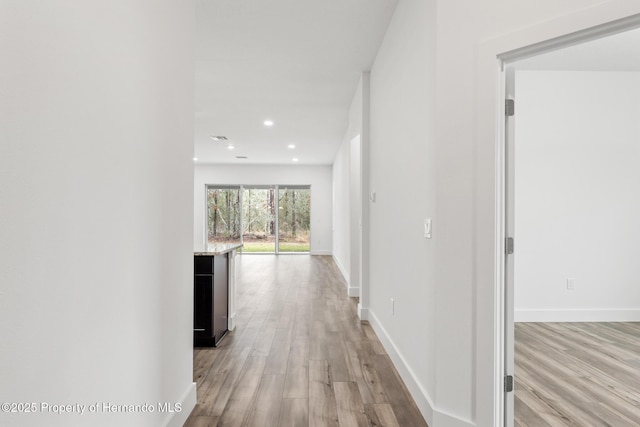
(299, 355)
(577, 374)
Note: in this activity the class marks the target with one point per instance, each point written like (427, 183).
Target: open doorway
(572, 180)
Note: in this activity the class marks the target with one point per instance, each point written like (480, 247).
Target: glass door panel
(223, 214)
(258, 220)
(294, 219)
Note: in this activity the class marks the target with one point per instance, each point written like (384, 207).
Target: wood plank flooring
(577, 374)
(299, 355)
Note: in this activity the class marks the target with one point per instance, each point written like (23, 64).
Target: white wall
(577, 176)
(347, 209)
(402, 174)
(96, 131)
(341, 211)
(355, 214)
(346, 213)
(318, 177)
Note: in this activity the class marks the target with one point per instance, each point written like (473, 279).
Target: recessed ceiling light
(268, 123)
(195, 159)
(295, 159)
(292, 146)
(230, 147)
(219, 138)
(241, 157)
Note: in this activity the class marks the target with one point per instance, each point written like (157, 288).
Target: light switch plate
(427, 228)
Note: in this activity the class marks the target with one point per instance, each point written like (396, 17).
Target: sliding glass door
(259, 219)
(265, 219)
(223, 214)
(294, 219)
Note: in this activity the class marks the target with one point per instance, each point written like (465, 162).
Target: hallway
(299, 355)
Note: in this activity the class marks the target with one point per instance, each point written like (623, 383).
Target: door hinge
(509, 107)
(508, 245)
(508, 383)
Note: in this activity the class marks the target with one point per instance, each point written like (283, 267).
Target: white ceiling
(618, 52)
(296, 62)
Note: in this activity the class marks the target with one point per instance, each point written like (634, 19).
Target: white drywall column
(232, 290)
(351, 207)
(341, 212)
(365, 135)
(401, 172)
(355, 207)
(96, 131)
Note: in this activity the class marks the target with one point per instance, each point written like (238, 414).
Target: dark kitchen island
(213, 293)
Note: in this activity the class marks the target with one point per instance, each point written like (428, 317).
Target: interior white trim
(231, 303)
(232, 321)
(578, 315)
(571, 39)
(425, 404)
(343, 271)
(363, 306)
(442, 418)
(352, 291)
(363, 312)
(419, 394)
(188, 402)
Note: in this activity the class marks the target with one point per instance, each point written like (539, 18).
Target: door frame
(504, 182)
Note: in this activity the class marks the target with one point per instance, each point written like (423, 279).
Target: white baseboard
(443, 419)
(432, 416)
(363, 313)
(352, 291)
(321, 253)
(232, 322)
(577, 315)
(343, 271)
(406, 373)
(188, 402)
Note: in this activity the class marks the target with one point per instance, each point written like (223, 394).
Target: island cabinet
(214, 293)
(211, 299)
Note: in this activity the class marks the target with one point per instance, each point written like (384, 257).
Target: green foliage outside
(258, 213)
(294, 206)
(250, 214)
(223, 214)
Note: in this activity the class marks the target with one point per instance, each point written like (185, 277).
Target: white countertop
(218, 249)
